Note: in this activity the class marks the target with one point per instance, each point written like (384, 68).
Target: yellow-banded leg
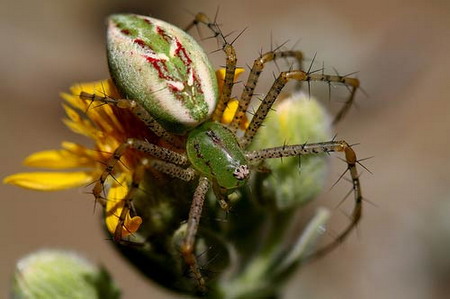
(317, 148)
(276, 88)
(231, 60)
(137, 110)
(152, 150)
(257, 68)
(188, 243)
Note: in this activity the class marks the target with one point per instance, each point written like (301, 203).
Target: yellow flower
(108, 127)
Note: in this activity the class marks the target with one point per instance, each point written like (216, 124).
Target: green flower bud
(60, 274)
(293, 181)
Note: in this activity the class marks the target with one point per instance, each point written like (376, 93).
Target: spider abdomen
(214, 151)
(163, 68)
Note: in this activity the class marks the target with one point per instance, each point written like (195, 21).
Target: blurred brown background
(400, 47)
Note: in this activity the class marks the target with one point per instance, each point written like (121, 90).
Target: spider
(167, 81)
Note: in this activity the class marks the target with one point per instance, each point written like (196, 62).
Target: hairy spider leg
(169, 164)
(187, 247)
(195, 212)
(275, 90)
(185, 174)
(231, 60)
(138, 174)
(137, 110)
(202, 18)
(220, 194)
(142, 146)
(230, 70)
(257, 68)
(188, 244)
(347, 105)
(317, 148)
(137, 177)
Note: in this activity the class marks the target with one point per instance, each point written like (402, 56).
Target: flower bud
(60, 274)
(293, 181)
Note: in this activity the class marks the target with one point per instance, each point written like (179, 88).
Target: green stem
(264, 274)
(253, 282)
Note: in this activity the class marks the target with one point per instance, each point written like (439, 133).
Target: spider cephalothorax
(215, 152)
(167, 81)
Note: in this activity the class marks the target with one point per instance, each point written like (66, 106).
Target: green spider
(167, 81)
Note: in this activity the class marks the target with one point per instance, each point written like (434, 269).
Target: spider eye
(241, 172)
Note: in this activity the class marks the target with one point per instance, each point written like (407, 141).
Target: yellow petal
(49, 181)
(220, 74)
(74, 101)
(80, 150)
(83, 127)
(102, 118)
(238, 72)
(230, 111)
(72, 114)
(74, 147)
(58, 159)
(102, 87)
(115, 205)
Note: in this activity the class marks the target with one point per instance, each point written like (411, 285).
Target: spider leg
(137, 110)
(221, 197)
(165, 161)
(185, 174)
(230, 69)
(257, 68)
(202, 18)
(195, 212)
(143, 146)
(279, 84)
(231, 61)
(316, 148)
(188, 244)
(127, 201)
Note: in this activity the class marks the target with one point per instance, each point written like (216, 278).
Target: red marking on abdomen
(147, 21)
(197, 83)
(181, 52)
(140, 42)
(163, 33)
(173, 88)
(160, 66)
